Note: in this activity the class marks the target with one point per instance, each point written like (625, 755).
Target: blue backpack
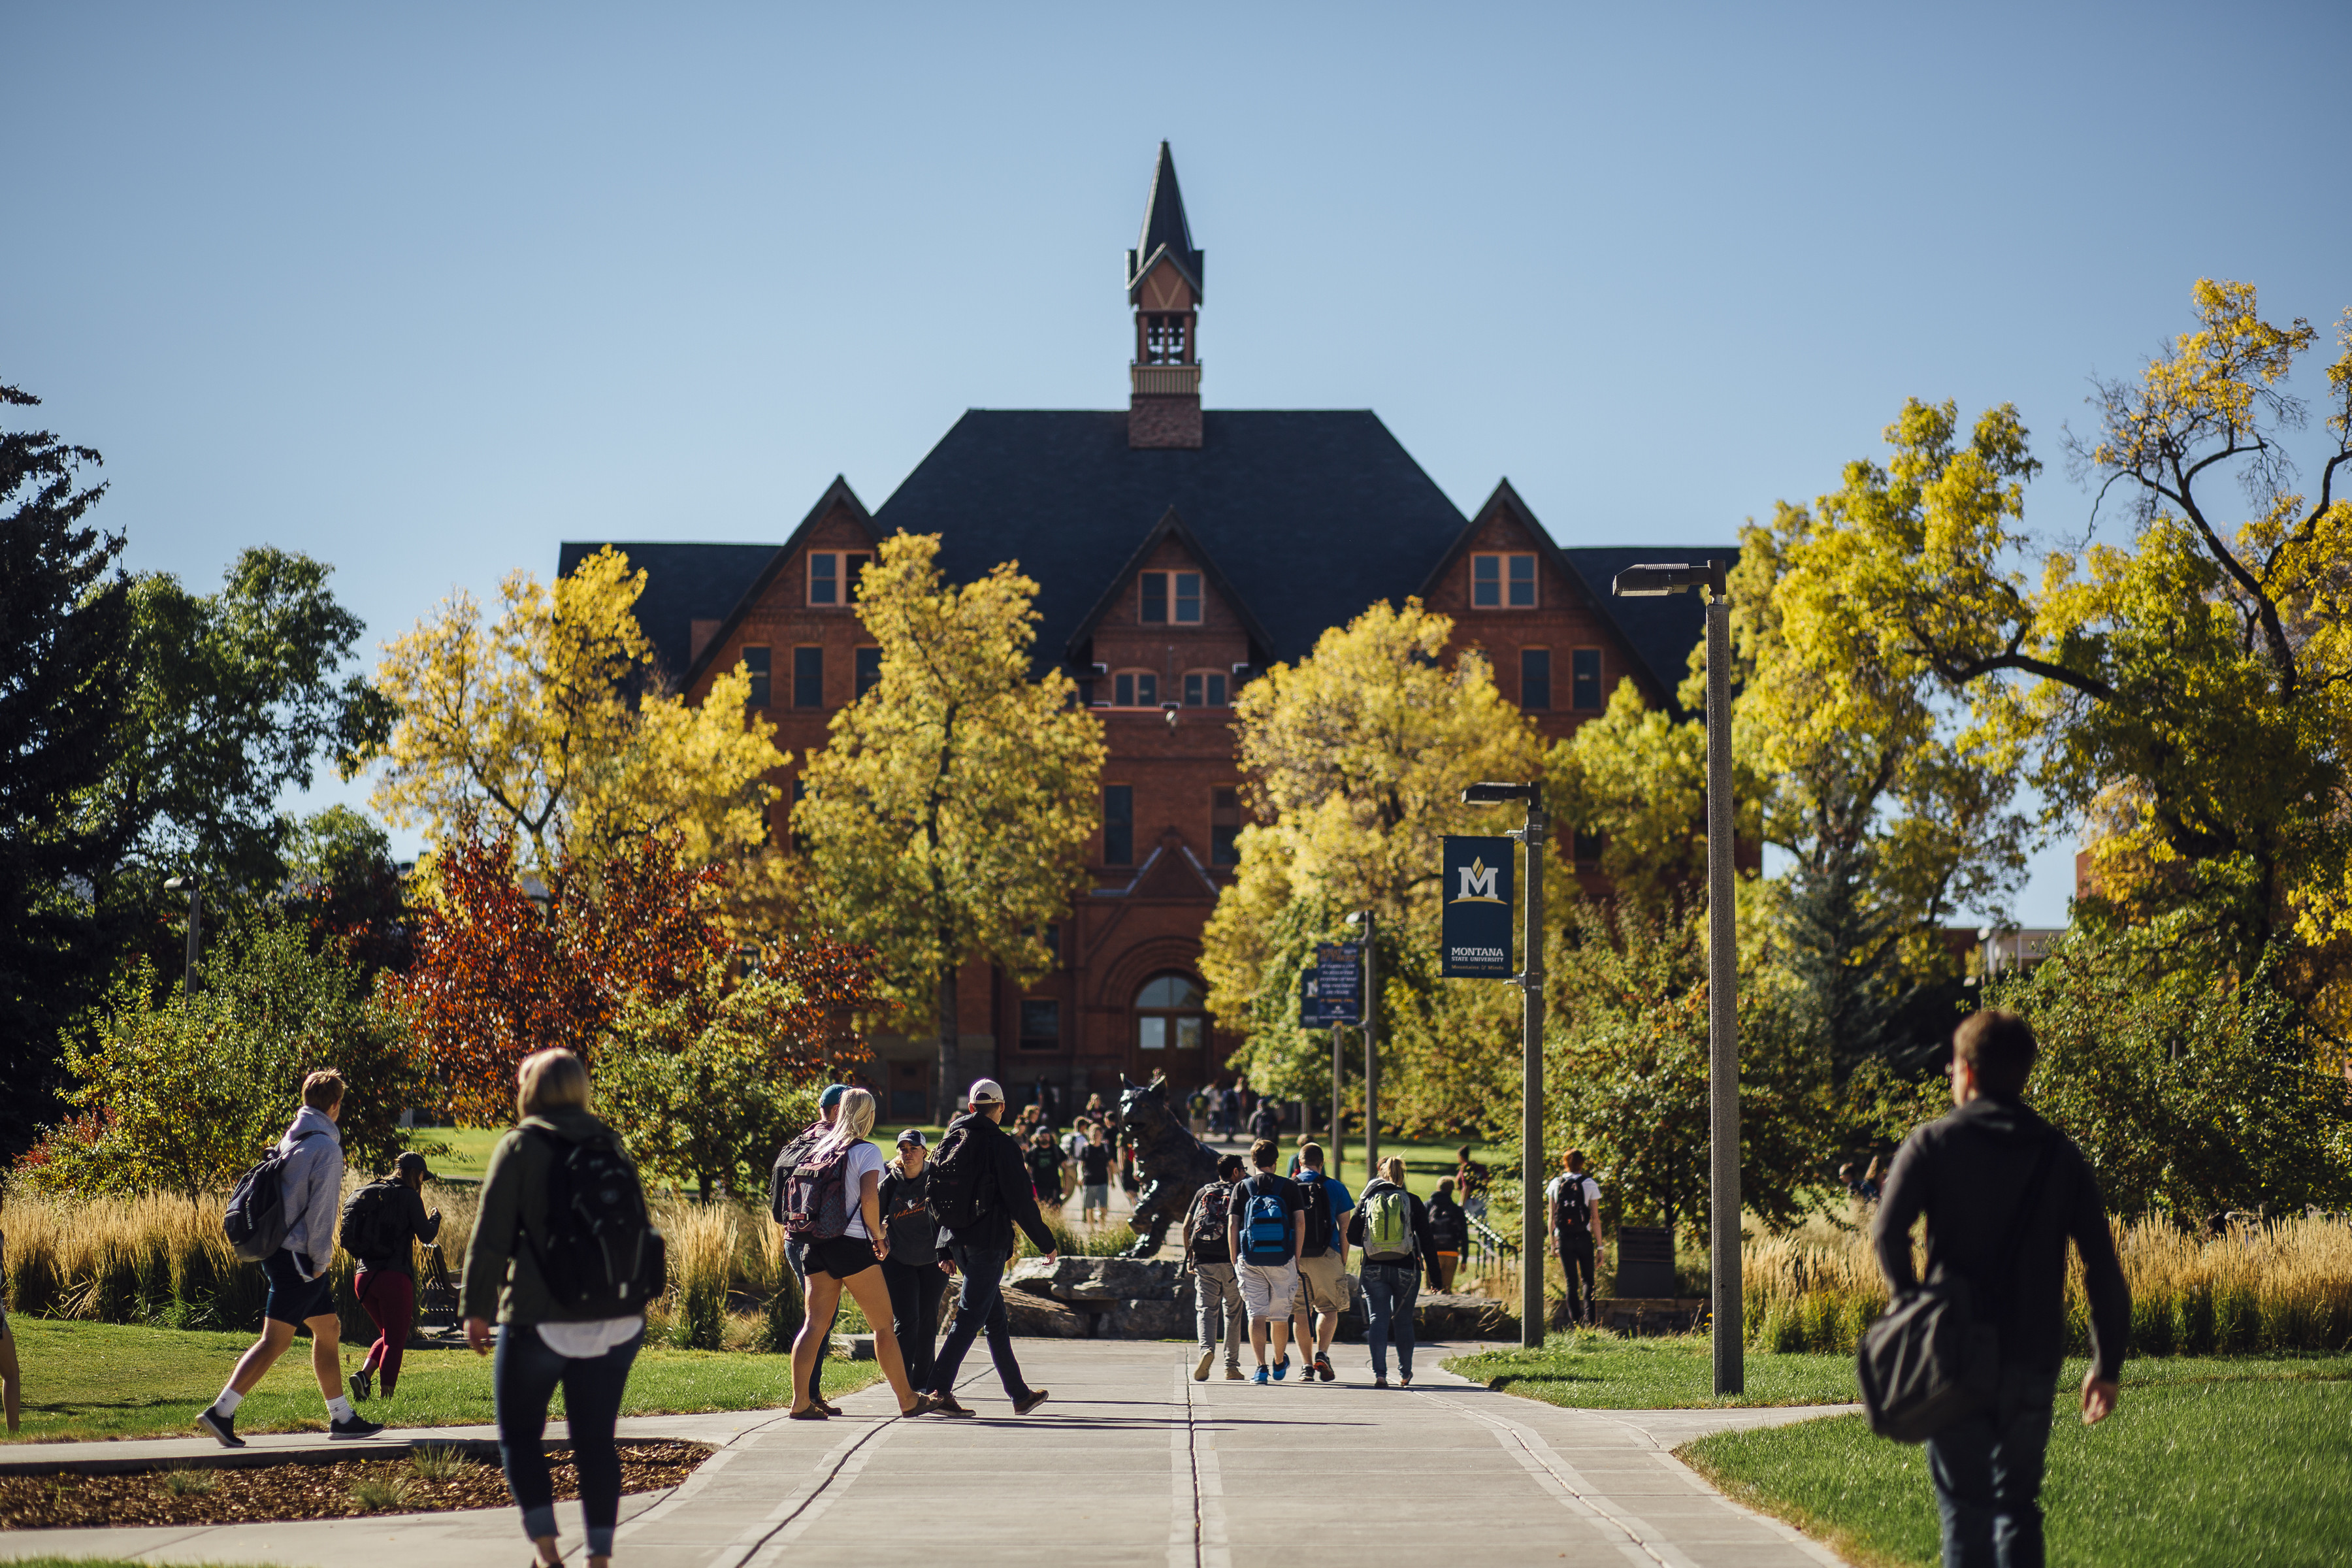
(1266, 1227)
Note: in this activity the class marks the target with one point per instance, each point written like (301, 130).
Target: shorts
(1096, 1195)
(1322, 1285)
(292, 1299)
(841, 1257)
(1267, 1290)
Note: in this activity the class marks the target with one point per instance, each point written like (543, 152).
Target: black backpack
(788, 1160)
(600, 1255)
(256, 1221)
(1571, 1209)
(959, 1175)
(817, 1197)
(368, 1223)
(1213, 1206)
(1314, 1224)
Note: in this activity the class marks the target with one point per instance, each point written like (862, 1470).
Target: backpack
(788, 1158)
(1214, 1204)
(1449, 1228)
(1265, 1225)
(816, 1196)
(256, 1221)
(1387, 1225)
(958, 1174)
(368, 1221)
(1571, 1209)
(1315, 1224)
(600, 1255)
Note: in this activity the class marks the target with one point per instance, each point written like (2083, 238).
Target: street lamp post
(1530, 982)
(1722, 963)
(1370, 924)
(196, 926)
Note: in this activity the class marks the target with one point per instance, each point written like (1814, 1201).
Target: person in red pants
(386, 1284)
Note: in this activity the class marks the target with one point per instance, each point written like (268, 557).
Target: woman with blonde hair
(834, 1203)
(1392, 1227)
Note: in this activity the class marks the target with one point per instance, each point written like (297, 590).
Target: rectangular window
(808, 677)
(1188, 599)
(1502, 581)
(1204, 689)
(1486, 582)
(1522, 582)
(1584, 680)
(1087, 693)
(755, 664)
(1136, 689)
(1225, 827)
(1154, 610)
(1054, 943)
(1119, 825)
(870, 670)
(1535, 678)
(851, 566)
(824, 578)
(800, 794)
(1041, 1024)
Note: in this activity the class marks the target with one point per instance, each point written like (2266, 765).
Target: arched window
(1169, 1015)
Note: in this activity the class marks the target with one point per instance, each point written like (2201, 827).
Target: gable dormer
(1169, 631)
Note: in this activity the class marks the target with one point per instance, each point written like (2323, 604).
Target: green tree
(947, 818)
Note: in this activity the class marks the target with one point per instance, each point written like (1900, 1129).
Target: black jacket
(1449, 1224)
(403, 1217)
(1968, 1173)
(1424, 1243)
(1005, 1201)
(913, 1238)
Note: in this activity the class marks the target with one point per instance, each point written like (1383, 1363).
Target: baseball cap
(832, 1096)
(411, 1163)
(913, 1135)
(985, 1091)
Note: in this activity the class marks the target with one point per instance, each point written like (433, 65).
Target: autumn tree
(947, 818)
(554, 721)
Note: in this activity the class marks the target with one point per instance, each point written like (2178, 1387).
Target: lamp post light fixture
(1530, 982)
(196, 926)
(1722, 967)
(1369, 923)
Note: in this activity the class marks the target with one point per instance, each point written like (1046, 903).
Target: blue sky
(423, 292)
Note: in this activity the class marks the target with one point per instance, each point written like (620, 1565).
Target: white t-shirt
(863, 1157)
(1591, 1196)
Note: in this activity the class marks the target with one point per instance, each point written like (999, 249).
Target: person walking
(1991, 1169)
(1074, 1148)
(788, 1160)
(1265, 1122)
(387, 1228)
(301, 1289)
(1392, 1227)
(835, 1205)
(1322, 1261)
(1262, 1224)
(1572, 1205)
(1470, 1182)
(1449, 1229)
(1095, 1161)
(981, 1245)
(563, 1317)
(1045, 1169)
(1216, 1296)
(913, 1272)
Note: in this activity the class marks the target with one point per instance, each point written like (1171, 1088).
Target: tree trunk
(951, 1068)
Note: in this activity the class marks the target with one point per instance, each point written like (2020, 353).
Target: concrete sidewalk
(1131, 1462)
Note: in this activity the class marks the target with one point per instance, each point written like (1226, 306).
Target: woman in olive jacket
(540, 1344)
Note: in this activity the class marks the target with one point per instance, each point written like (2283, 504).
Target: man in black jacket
(1992, 1166)
(981, 1249)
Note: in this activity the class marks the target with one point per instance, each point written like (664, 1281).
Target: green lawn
(2206, 1460)
(108, 1379)
(1603, 1372)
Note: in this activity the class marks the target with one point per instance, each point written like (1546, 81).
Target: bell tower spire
(1163, 286)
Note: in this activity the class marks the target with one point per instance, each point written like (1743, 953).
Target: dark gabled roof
(1165, 230)
(1660, 632)
(1172, 526)
(684, 583)
(1313, 515)
(836, 493)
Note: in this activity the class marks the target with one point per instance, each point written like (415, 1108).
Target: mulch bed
(344, 1490)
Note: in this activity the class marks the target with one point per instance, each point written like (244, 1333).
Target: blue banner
(1332, 989)
(1474, 940)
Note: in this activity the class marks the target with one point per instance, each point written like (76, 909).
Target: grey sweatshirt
(314, 1191)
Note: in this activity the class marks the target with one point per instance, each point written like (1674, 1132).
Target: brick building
(1178, 552)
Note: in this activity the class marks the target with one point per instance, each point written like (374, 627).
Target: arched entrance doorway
(1169, 1018)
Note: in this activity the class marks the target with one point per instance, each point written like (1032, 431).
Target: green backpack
(1387, 1225)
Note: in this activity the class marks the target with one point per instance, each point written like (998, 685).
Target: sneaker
(945, 1405)
(357, 1427)
(1201, 1368)
(1023, 1407)
(1258, 1376)
(1281, 1369)
(1323, 1368)
(1404, 1380)
(222, 1428)
(1235, 1374)
(362, 1385)
(1380, 1382)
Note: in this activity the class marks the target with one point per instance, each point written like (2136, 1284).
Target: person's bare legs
(255, 1363)
(9, 1374)
(872, 1294)
(326, 1354)
(824, 1297)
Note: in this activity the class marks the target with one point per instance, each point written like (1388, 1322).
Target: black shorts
(841, 1257)
(292, 1299)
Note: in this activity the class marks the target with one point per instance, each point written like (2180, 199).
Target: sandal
(807, 1412)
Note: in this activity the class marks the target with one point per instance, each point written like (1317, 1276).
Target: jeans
(1576, 1262)
(915, 1291)
(1988, 1476)
(524, 1376)
(796, 1258)
(1389, 1291)
(1217, 1298)
(980, 1307)
(390, 1300)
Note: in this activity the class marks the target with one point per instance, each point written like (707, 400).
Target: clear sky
(423, 290)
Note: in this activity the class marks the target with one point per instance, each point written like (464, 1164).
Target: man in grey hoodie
(301, 1289)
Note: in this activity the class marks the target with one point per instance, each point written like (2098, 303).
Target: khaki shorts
(1267, 1290)
(1322, 1285)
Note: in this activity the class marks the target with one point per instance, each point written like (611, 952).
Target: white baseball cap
(985, 1091)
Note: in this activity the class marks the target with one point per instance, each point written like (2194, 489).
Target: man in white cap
(976, 1233)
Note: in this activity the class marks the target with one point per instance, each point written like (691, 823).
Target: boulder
(1043, 1317)
(1135, 1319)
(1100, 1281)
